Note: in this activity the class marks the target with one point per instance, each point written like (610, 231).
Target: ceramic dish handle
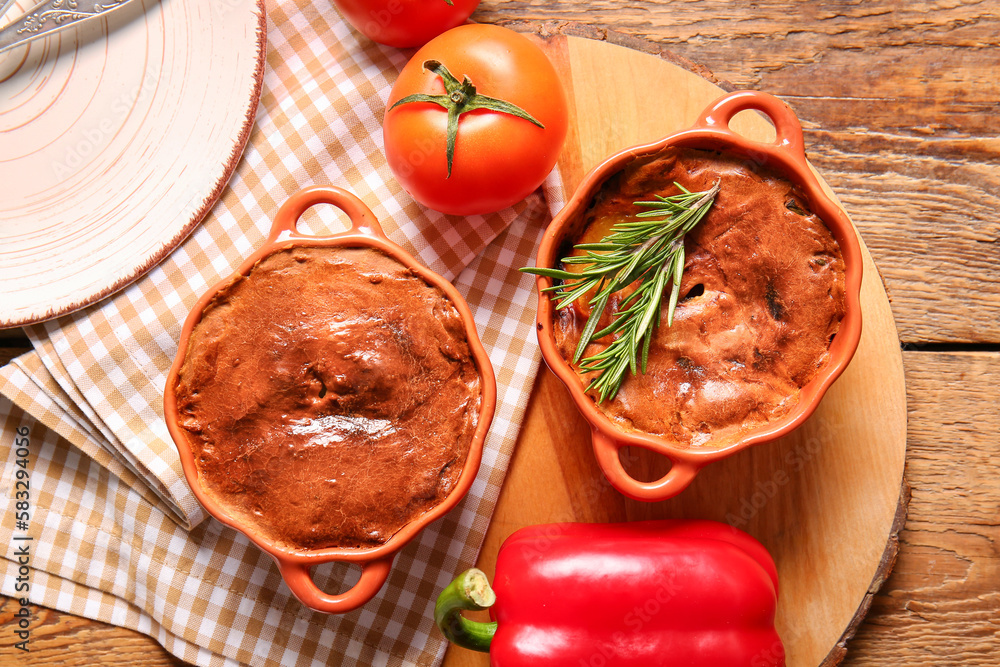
(299, 580)
(786, 123)
(362, 219)
(681, 474)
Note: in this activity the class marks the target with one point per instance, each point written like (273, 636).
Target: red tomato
(405, 23)
(499, 158)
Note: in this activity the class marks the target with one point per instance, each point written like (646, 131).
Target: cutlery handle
(4, 6)
(51, 16)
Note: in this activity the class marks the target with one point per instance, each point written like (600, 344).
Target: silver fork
(50, 16)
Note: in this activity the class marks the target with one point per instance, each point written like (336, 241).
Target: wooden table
(899, 103)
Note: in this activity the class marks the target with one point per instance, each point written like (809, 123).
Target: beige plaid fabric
(116, 534)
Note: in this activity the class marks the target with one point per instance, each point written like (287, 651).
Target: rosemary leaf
(596, 310)
(675, 291)
(648, 250)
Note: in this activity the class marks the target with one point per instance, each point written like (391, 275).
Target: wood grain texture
(8, 351)
(823, 507)
(941, 605)
(900, 106)
(898, 100)
(57, 638)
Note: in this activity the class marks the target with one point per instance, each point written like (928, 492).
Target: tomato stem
(461, 97)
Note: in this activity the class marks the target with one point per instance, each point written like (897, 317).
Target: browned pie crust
(330, 397)
(764, 280)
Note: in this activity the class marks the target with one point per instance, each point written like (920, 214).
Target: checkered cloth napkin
(115, 532)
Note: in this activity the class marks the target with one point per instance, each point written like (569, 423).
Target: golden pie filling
(330, 397)
(761, 299)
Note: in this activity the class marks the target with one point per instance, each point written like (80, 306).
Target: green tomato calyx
(461, 97)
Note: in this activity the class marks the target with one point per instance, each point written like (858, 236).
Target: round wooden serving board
(827, 501)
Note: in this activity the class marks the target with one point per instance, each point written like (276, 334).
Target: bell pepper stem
(469, 591)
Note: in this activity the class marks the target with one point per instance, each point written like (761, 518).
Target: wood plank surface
(899, 102)
(823, 500)
(58, 638)
(940, 606)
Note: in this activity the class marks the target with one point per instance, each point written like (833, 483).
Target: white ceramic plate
(116, 138)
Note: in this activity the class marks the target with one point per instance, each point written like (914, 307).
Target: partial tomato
(475, 121)
(405, 23)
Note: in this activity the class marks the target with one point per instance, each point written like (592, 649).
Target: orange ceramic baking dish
(375, 562)
(785, 156)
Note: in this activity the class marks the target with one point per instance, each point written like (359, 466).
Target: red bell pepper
(643, 594)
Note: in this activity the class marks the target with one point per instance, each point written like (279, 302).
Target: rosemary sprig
(650, 250)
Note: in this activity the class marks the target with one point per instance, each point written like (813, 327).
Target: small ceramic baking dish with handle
(289, 465)
(785, 157)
